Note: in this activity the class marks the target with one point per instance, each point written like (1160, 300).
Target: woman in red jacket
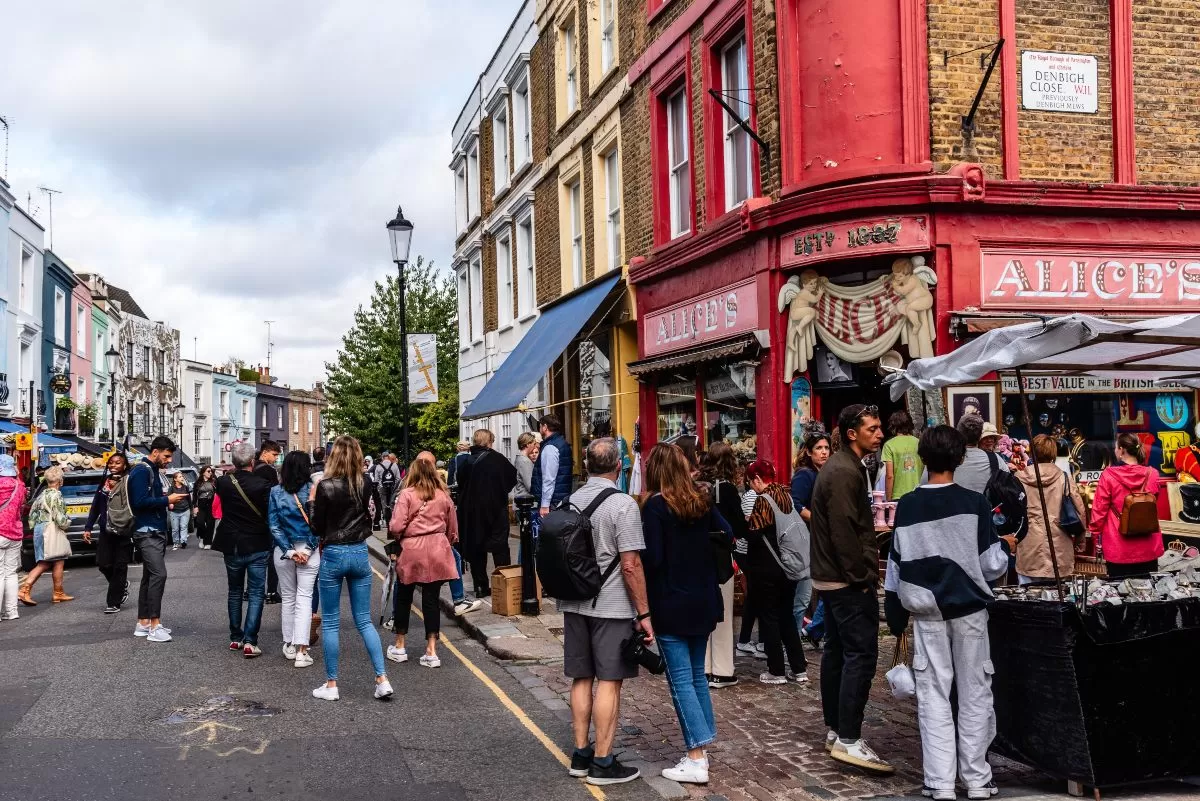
(1126, 555)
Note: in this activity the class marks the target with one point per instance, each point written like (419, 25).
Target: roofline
(475, 87)
(27, 216)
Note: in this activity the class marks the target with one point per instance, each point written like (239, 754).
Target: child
(944, 553)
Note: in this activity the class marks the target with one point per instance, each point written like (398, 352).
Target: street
(89, 712)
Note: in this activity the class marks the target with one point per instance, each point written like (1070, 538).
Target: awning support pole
(1037, 475)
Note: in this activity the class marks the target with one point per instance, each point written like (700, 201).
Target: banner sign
(1085, 383)
(1071, 280)
(855, 238)
(422, 368)
(1058, 82)
(717, 315)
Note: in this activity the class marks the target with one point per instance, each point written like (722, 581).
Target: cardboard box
(506, 590)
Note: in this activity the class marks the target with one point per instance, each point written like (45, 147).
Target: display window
(676, 410)
(729, 407)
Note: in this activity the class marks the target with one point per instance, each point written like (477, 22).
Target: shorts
(592, 648)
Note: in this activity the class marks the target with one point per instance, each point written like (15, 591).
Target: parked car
(78, 489)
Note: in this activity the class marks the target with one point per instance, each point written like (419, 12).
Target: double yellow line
(511, 705)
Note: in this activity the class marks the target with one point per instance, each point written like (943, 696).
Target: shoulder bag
(1068, 516)
(55, 545)
(722, 546)
(1139, 512)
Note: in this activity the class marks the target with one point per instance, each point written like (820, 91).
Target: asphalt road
(88, 711)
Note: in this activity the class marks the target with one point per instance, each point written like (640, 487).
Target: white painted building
(23, 312)
(496, 231)
(196, 393)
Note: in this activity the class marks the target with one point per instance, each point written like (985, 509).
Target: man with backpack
(386, 478)
(595, 628)
(145, 501)
(984, 472)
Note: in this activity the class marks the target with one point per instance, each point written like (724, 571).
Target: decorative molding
(1123, 109)
(1010, 145)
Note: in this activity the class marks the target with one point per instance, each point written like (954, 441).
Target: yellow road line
(510, 705)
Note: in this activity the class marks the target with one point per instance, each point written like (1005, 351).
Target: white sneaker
(760, 651)
(289, 651)
(397, 654)
(981, 793)
(859, 754)
(830, 738)
(250, 650)
(383, 690)
(746, 648)
(326, 693)
(939, 795)
(174, 547)
(464, 606)
(690, 771)
(430, 661)
(800, 678)
(303, 659)
(141, 631)
(771, 678)
(159, 634)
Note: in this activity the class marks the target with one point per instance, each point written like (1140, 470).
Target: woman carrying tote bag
(50, 546)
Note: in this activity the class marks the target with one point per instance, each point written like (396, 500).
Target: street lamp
(111, 361)
(400, 232)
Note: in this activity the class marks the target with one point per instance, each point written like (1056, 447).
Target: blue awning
(46, 443)
(9, 427)
(537, 350)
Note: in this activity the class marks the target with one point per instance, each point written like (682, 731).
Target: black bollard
(529, 598)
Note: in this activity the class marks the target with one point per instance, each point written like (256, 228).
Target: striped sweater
(944, 552)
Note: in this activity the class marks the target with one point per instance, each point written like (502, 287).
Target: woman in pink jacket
(1125, 555)
(425, 522)
(12, 498)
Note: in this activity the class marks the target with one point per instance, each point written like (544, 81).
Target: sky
(233, 162)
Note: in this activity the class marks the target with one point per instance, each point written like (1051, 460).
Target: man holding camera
(593, 631)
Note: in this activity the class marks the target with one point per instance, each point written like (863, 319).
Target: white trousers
(954, 653)
(718, 661)
(10, 561)
(296, 584)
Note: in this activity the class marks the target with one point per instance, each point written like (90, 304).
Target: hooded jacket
(1033, 551)
(1115, 484)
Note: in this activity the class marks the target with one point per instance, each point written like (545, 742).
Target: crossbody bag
(246, 498)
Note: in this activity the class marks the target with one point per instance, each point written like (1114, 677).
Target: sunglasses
(867, 411)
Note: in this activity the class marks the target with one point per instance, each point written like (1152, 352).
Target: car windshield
(76, 488)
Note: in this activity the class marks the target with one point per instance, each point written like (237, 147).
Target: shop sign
(1086, 383)
(1058, 82)
(1078, 281)
(729, 311)
(856, 238)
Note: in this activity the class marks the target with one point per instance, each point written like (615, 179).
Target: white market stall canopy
(1165, 349)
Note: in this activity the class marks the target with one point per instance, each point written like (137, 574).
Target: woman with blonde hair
(48, 508)
(341, 519)
(425, 521)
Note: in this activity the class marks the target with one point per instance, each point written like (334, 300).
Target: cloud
(233, 162)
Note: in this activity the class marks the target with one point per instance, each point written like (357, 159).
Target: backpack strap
(245, 497)
(993, 465)
(603, 496)
(775, 510)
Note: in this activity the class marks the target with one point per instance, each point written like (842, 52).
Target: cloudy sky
(232, 162)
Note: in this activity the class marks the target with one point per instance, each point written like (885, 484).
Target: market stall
(1072, 660)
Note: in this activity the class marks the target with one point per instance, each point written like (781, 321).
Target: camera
(636, 651)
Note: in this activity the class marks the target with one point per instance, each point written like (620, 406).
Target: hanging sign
(60, 383)
(1075, 280)
(728, 311)
(24, 442)
(1087, 383)
(1058, 82)
(422, 368)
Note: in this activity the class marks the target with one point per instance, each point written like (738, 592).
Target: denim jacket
(289, 528)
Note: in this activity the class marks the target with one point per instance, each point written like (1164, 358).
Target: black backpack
(566, 554)
(1006, 495)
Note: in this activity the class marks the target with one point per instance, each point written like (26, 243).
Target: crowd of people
(808, 548)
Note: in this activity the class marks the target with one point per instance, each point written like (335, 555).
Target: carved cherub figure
(911, 280)
(800, 296)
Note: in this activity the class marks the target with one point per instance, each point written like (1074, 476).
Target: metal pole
(403, 363)
(112, 408)
(1037, 475)
(529, 597)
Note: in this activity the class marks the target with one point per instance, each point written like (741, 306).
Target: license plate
(78, 511)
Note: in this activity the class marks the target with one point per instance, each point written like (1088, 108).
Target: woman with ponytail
(1127, 554)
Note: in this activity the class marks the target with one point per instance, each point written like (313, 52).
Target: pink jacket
(1116, 482)
(426, 530)
(10, 516)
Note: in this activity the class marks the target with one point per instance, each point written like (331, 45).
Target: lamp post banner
(422, 368)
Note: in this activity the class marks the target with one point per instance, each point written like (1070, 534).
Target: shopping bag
(900, 678)
(385, 600)
(55, 545)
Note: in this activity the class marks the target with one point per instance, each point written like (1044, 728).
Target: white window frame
(60, 316)
(575, 213)
(223, 399)
(526, 277)
(295, 421)
(25, 289)
(197, 396)
(612, 215)
(521, 122)
(679, 176)
(266, 410)
(81, 338)
(310, 421)
(475, 288)
(279, 423)
(461, 208)
(504, 279)
(81, 390)
(245, 413)
(608, 35)
(571, 61)
(464, 308)
(737, 187)
(473, 182)
(500, 147)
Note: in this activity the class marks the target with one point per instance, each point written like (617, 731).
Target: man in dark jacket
(245, 540)
(845, 569)
(554, 469)
(484, 481)
(148, 501)
(265, 469)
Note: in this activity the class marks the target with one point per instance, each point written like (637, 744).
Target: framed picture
(831, 371)
(980, 399)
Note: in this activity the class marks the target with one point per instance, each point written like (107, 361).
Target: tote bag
(55, 545)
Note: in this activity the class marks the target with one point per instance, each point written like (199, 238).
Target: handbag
(55, 545)
(900, 677)
(1068, 516)
(1139, 513)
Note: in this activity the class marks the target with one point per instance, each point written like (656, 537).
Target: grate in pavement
(221, 707)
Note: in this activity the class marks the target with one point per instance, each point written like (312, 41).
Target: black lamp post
(400, 232)
(179, 410)
(111, 361)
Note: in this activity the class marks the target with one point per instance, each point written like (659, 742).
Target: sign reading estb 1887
(1080, 281)
(856, 238)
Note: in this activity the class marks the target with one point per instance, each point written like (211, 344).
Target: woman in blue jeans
(341, 518)
(685, 599)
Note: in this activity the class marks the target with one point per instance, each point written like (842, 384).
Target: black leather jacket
(337, 517)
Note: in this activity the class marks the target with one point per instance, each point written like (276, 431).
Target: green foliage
(65, 402)
(246, 374)
(87, 416)
(364, 382)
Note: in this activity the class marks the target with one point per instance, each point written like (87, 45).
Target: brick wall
(545, 234)
(637, 191)
(766, 94)
(1166, 57)
(490, 312)
(487, 173)
(541, 98)
(955, 26)
(512, 252)
(589, 229)
(1065, 146)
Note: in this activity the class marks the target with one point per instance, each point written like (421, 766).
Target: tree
(364, 382)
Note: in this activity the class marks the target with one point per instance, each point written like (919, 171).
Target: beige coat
(1033, 552)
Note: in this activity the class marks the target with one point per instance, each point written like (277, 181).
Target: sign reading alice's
(732, 310)
(1080, 281)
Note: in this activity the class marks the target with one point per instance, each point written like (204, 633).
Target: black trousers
(849, 659)
(375, 496)
(204, 526)
(479, 572)
(153, 547)
(777, 624)
(749, 611)
(402, 599)
(272, 576)
(113, 555)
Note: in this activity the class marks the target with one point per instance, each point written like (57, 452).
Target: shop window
(729, 406)
(595, 382)
(676, 409)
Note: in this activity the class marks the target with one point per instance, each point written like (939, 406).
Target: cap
(8, 466)
(989, 430)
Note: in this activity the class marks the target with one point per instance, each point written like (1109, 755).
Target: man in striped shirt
(944, 552)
